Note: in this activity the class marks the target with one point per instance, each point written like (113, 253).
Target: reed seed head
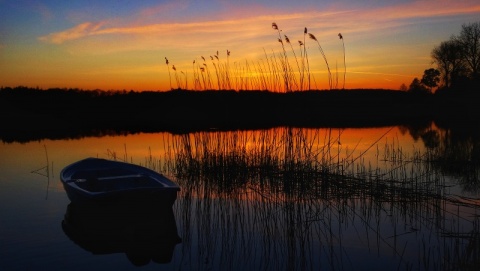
(300, 43)
(287, 39)
(312, 36)
(166, 60)
(305, 31)
(280, 40)
(228, 53)
(173, 67)
(340, 36)
(274, 26)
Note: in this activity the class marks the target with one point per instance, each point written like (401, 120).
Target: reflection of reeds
(45, 171)
(286, 194)
(293, 199)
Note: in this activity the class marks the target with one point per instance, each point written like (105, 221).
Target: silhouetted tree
(431, 78)
(403, 87)
(469, 40)
(417, 87)
(448, 57)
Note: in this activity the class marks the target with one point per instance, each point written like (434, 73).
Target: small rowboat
(100, 180)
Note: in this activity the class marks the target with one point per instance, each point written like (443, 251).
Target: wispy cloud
(77, 32)
(358, 20)
(381, 73)
(425, 8)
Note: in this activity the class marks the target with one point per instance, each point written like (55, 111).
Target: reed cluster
(296, 199)
(293, 160)
(285, 71)
(297, 193)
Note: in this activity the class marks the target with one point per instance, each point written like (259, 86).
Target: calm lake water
(387, 198)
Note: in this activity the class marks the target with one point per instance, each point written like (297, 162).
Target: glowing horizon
(116, 46)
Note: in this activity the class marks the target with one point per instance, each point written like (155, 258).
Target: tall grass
(340, 36)
(296, 199)
(297, 193)
(330, 83)
(169, 75)
(284, 71)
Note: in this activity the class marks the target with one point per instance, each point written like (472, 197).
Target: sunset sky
(123, 44)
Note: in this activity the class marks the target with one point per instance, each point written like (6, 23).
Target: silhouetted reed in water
(294, 190)
(293, 199)
(45, 171)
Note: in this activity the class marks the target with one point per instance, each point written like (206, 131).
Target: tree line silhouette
(26, 111)
(457, 63)
(54, 113)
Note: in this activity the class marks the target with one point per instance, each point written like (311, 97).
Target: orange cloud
(372, 59)
(359, 20)
(77, 32)
(418, 9)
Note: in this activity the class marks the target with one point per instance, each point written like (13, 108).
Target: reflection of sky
(122, 44)
(361, 232)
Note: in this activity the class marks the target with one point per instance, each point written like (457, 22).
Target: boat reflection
(142, 231)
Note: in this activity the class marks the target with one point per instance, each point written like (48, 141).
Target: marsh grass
(168, 69)
(284, 71)
(330, 82)
(295, 199)
(293, 188)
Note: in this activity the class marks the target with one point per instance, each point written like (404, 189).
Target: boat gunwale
(100, 165)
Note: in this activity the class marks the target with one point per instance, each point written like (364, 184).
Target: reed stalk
(305, 55)
(227, 70)
(284, 59)
(340, 36)
(176, 77)
(324, 58)
(169, 76)
(296, 60)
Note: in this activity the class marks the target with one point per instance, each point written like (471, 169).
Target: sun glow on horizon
(127, 52)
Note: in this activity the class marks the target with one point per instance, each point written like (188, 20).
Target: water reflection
(144, 232)
(290, 199)
(276, 199)
(454, 153)
(45, 171)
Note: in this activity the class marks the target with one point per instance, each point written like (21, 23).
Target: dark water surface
(279, 199)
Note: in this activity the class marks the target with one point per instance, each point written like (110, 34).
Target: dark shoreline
(31, 114)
